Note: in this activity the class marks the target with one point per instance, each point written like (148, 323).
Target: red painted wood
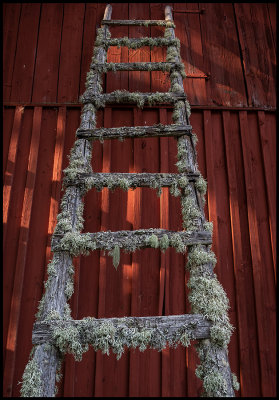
(255, 37)
(48, 52)
(272, 18)
(188, 30)
(269, 170)
(11, 16)
(10, 166)
(206, 39)
(263, 279)
(21, 253)
(248, 370)
(221, 55)
(70, 53)
(26, 48)
(94, 13)
(37, 242)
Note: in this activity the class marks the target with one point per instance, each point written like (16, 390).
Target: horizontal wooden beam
(139, 42)
(136, 66)
(131, 240)
(133, 180)
(196, 325)
(155, 22)
(140, 98)
(135, 132)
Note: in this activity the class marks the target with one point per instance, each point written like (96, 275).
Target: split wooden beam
(132, 240)
(196, 325)
(135, 132)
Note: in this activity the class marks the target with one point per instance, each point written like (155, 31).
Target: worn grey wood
(155, 22)
(197, 326)
(124, 239)
(135, 66)
(134, 180)
(129, 97)
(135, 132)
(139, 42)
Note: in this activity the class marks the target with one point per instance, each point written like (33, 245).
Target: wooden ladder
(55, 332)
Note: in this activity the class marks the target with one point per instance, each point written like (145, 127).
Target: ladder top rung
(195, 324)
(135, 131)
(144, 22)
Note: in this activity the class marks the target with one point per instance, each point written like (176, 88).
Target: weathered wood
(144, 22)
(130, 97)
(131, 240)
(134, 131)
(139, 42)
(197, 326)
(133, 180)
(135, 66)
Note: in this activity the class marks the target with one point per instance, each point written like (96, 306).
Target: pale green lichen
(177, 243)
(115, 254)
(208, 226)
(164, 242)
(104, 336)
(153, 241)
(77, 244)
(140, 42)
(31, 380)
(235, 382)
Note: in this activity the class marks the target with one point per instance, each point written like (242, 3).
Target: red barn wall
(229, 55)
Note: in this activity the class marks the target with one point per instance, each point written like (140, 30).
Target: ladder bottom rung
(135, 132)
(195, 326)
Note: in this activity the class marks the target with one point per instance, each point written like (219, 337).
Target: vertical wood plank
(8, 121)
(22, 249)
(269, 170)
(99, 384)
(70, 54)
(48, 51)
(272, 18)
(188, 30)
(11, 18)
(38, 237)
(263, 282)
(22, 81)
(255, 37)
(10, 167)
(222, 56)
(248, 370)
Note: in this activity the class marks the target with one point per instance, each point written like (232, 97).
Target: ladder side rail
(45, 360)
(214, 359)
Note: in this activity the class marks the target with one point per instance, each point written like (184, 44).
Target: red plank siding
(236, 154)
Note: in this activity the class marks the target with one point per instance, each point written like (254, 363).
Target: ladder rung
(144, 22)
(135, 132)
(132, 180)
(129, 240)
(135, 43)
(196, 326)
(123, 96)
(136, 66)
